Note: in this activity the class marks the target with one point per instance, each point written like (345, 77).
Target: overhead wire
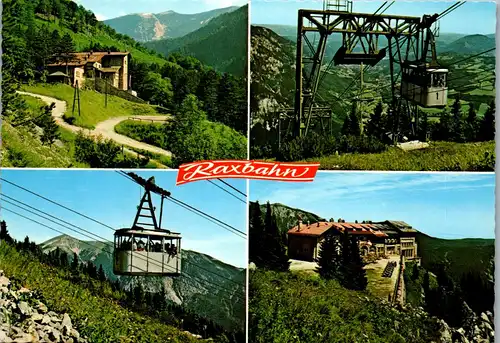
(108, 243)
(203, 214)
(231, 186)
(76, 212)
(228, 192)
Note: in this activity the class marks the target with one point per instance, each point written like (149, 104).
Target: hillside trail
(106, 128)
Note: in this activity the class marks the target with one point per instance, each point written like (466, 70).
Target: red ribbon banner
(245, 169)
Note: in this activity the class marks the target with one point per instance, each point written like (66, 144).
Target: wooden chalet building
(85, 66)
(379, 239)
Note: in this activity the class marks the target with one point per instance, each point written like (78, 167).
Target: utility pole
(76, 98)
(106, 94)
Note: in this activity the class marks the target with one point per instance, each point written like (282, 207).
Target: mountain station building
(380, 239)
(81, 67)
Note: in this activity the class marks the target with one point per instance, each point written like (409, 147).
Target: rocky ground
(24, 318)
(478, 329)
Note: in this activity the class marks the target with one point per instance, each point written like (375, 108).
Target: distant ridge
(145, 27)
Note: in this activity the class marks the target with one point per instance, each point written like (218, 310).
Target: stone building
(89, 66)
(374, 238)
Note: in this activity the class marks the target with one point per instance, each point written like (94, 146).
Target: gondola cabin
(143, 252)
(425, 85)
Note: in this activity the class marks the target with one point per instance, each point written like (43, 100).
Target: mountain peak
(168, 12)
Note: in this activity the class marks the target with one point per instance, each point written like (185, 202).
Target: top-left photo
(123, 84)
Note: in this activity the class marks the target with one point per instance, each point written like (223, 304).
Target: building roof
(400, 226)
(82, 58)
(320, 228)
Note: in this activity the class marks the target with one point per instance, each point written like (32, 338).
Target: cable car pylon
(145, 249)
(410, 42)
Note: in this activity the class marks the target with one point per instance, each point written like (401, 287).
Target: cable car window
(155, 244)
(124, 243)
(171, 246)
(139, 242)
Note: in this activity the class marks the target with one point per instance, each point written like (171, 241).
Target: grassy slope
(22, 148)
(312, 310)
(101, 320)
(439, 156)
(92, 104)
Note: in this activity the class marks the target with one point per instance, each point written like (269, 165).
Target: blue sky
(444, 205)
(112, 199)
(472, 17)
(107, 9)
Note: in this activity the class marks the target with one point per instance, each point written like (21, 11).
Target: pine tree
(357, 273)
(355, 122)
(207, 93)
(101, 276)
(75, 263)
(138, 295)
(346, 127)
(55, 38)
(66, 49)
(274, 248)
(415, 272)
(423, 127)
(49, 126)
(329, 260)
(444, 128)
(256, 234)
(487, 127)
(4, 233)
(375, 123)
(26, 244)
(471, 123)
(457, 126)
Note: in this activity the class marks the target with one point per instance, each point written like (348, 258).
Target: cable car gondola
(151, 251)
(424, 85)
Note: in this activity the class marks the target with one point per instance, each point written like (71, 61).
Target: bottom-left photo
(121, 256)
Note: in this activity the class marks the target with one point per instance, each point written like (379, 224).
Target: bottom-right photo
(373, 257)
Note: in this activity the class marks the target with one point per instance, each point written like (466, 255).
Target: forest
(371, 137)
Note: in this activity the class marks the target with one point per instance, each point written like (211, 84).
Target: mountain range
(445, 42)
(145, 27)
(207, 286)
(222, 43)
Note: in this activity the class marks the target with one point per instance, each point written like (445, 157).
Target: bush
(315, 145)
(210, 141)
(103, 153)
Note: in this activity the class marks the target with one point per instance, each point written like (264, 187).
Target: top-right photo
(374, 85)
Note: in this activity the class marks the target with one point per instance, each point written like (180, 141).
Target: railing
(399, 288)
(103, 86)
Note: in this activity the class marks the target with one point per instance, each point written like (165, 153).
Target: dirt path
(105, 128)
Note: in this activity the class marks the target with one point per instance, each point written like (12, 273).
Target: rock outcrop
(25, 319)
(477, 329)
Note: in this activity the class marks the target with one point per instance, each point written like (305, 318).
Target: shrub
(103, 153)
(315, 145)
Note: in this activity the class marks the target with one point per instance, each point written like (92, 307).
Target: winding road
(106, 128)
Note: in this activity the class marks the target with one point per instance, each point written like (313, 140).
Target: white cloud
(100, 17)
(355, 185)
